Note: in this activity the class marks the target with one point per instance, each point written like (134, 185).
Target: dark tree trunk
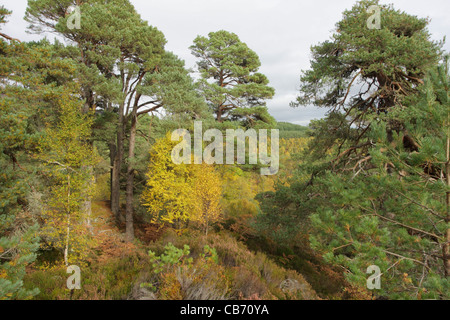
(89, 105)
(118, 159)
(112, 156)
(219, 114)
(129, 233)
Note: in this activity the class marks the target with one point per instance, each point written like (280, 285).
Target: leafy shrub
(180, 277)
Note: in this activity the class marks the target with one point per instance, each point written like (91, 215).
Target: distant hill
(290, 130)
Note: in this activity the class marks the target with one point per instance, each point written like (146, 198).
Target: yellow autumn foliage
(176, 194)
(207, 194)
(68, 159)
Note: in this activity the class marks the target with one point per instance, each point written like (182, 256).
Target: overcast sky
(279, 31)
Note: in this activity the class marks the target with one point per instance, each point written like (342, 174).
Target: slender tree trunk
(129, 233)
(66, 249)
(87, 204)
(207, 220)
(115, 186)
(118, 159)
(112, 156)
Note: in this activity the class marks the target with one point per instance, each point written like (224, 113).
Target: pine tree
(18, 233)
(362, 71)
(395, 214)
(230, 82)
(373, 182)
(124, 69)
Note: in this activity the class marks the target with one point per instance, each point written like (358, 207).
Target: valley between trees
(87, 176)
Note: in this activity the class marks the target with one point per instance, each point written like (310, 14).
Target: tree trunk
(219, 114)
(112, 156)
(89, 104)
(115, 185)
(129, 233)
(87, 205)
(207, 219)
(115, 182)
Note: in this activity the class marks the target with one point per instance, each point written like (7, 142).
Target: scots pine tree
(18, 232)
(373, 180)
(124, 69)
(230, 81)
(395, 214)
(362, 71)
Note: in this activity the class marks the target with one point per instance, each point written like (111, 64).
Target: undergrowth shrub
(218, 267)
(180, 277)
(111, 279)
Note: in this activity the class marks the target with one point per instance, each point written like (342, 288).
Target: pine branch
(8, 37)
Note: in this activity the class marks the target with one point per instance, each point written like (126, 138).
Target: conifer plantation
(358, 210)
